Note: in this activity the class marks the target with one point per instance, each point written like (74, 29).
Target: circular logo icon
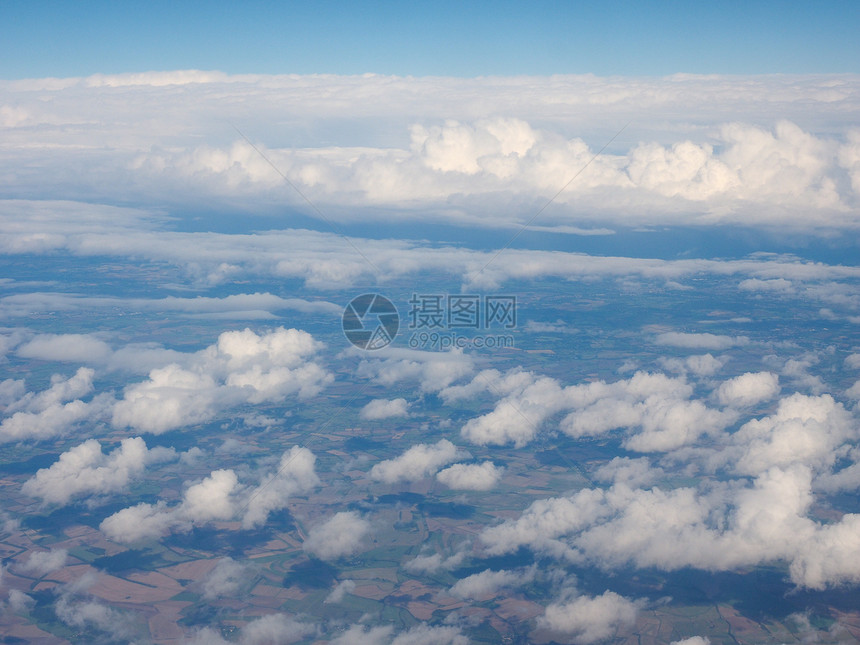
(370, 321)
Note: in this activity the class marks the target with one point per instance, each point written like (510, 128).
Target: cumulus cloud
(219, 496)
(804, 429)
(734, 163)
(265, 630)
(224, 580)
(715, 527)
(40, 415)
(635, 473)
(699, 365)
(433, 370)
(339, 592)
(420, 634)
(384, 409)
(39, 563)
(480, 586)
(655, 409)
(434, 562)
(76, 348)
(482, 476)
(85, 469)
(748, 389)
(241, 366)
(421, 460)
(339, 536)
(587, 619)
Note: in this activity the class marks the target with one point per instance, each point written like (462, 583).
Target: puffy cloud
(240, 367)
(78, 385)
(693, 640)
(804, 429)
(717, 527)
(657, 405)
(733, 164)
(38, 563)
(217, 497)
(700, 341)
(75, 348)
(434, 562)
(363, 635)
(420, 634)
(482, 476)
(295, 474)
(224, 580)
(634, 473)
(528, 401)
(700, 364)
(421, 460)
(587, 619)
(853, 361)
(274, 628)
(748, 389)
(93, 614)
(51, 412)
(339, 536)
(339, 592)
(423, 634)
(85, 469)
(480, 586)
(433, 370)
(384, 409)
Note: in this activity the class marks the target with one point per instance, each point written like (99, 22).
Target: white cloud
(700, 341)
(803, 429)
(295, 474)
(482, 476)
(339, 536)
(480, 586)
(700, 364)
(655, 407)
(421, 460)
(433, 370)
(38, 563)
(240, 367)
(274, 628)
(219, 496)
(384, 409)
(85, 469)
(423, 634)
(434, 562)
(732, 164)
(634, 473)
(748, 389)
(224, 580)
(73, 348)
(51, 412)
(693, 640)
(587, 619)
(715, 527)
(339, 592)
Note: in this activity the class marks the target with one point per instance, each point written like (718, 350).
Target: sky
(667, 197)
(429, 38)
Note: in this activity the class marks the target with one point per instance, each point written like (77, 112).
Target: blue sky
(440, 38)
